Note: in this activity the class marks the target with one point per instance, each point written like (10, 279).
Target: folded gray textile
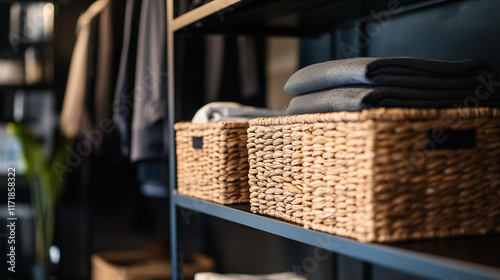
(359, 98)
(394, 71)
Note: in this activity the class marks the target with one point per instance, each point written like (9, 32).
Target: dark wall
(467, 29)
(452, 31)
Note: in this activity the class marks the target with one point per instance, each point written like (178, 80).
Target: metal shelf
(405, 256)
(285, 17)
(452, 258)
(216, 6)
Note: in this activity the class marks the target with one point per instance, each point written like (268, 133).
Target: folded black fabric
(395, 71)
(359, 98)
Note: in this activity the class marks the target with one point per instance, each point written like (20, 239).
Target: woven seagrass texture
(378, 175)
(275, 176)
(218, 170)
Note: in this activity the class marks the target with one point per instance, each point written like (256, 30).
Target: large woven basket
(275, 174)
(212, 161)
(380, 175)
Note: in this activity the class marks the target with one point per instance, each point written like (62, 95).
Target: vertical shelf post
(176, 254)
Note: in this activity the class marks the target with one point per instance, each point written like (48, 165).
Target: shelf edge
(201, 12)
(417, 263)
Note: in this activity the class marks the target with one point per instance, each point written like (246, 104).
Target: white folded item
(232, 276)
(231, 111)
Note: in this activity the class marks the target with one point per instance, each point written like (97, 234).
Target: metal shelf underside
(426, 258)
(285, 17)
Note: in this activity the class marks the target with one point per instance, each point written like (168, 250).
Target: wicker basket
(144, 265)
(275, 175)
(380, 175)
(212, 161)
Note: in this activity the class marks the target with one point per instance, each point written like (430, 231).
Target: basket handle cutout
(448, 139)
(197, 142)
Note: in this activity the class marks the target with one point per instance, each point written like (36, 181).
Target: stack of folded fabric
(361, 83)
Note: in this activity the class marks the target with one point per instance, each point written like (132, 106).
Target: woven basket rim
(210, 125)
(382, 114)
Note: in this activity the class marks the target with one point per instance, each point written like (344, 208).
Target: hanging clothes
(110, 37)
(148, 147)
(123, 103)
(86, 116)
(73, 115)
(150, 98)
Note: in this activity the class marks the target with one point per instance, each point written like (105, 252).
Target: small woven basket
(382, 174)
(212, 161)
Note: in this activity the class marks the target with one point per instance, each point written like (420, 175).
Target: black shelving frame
(399, 256)
(453, 258)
